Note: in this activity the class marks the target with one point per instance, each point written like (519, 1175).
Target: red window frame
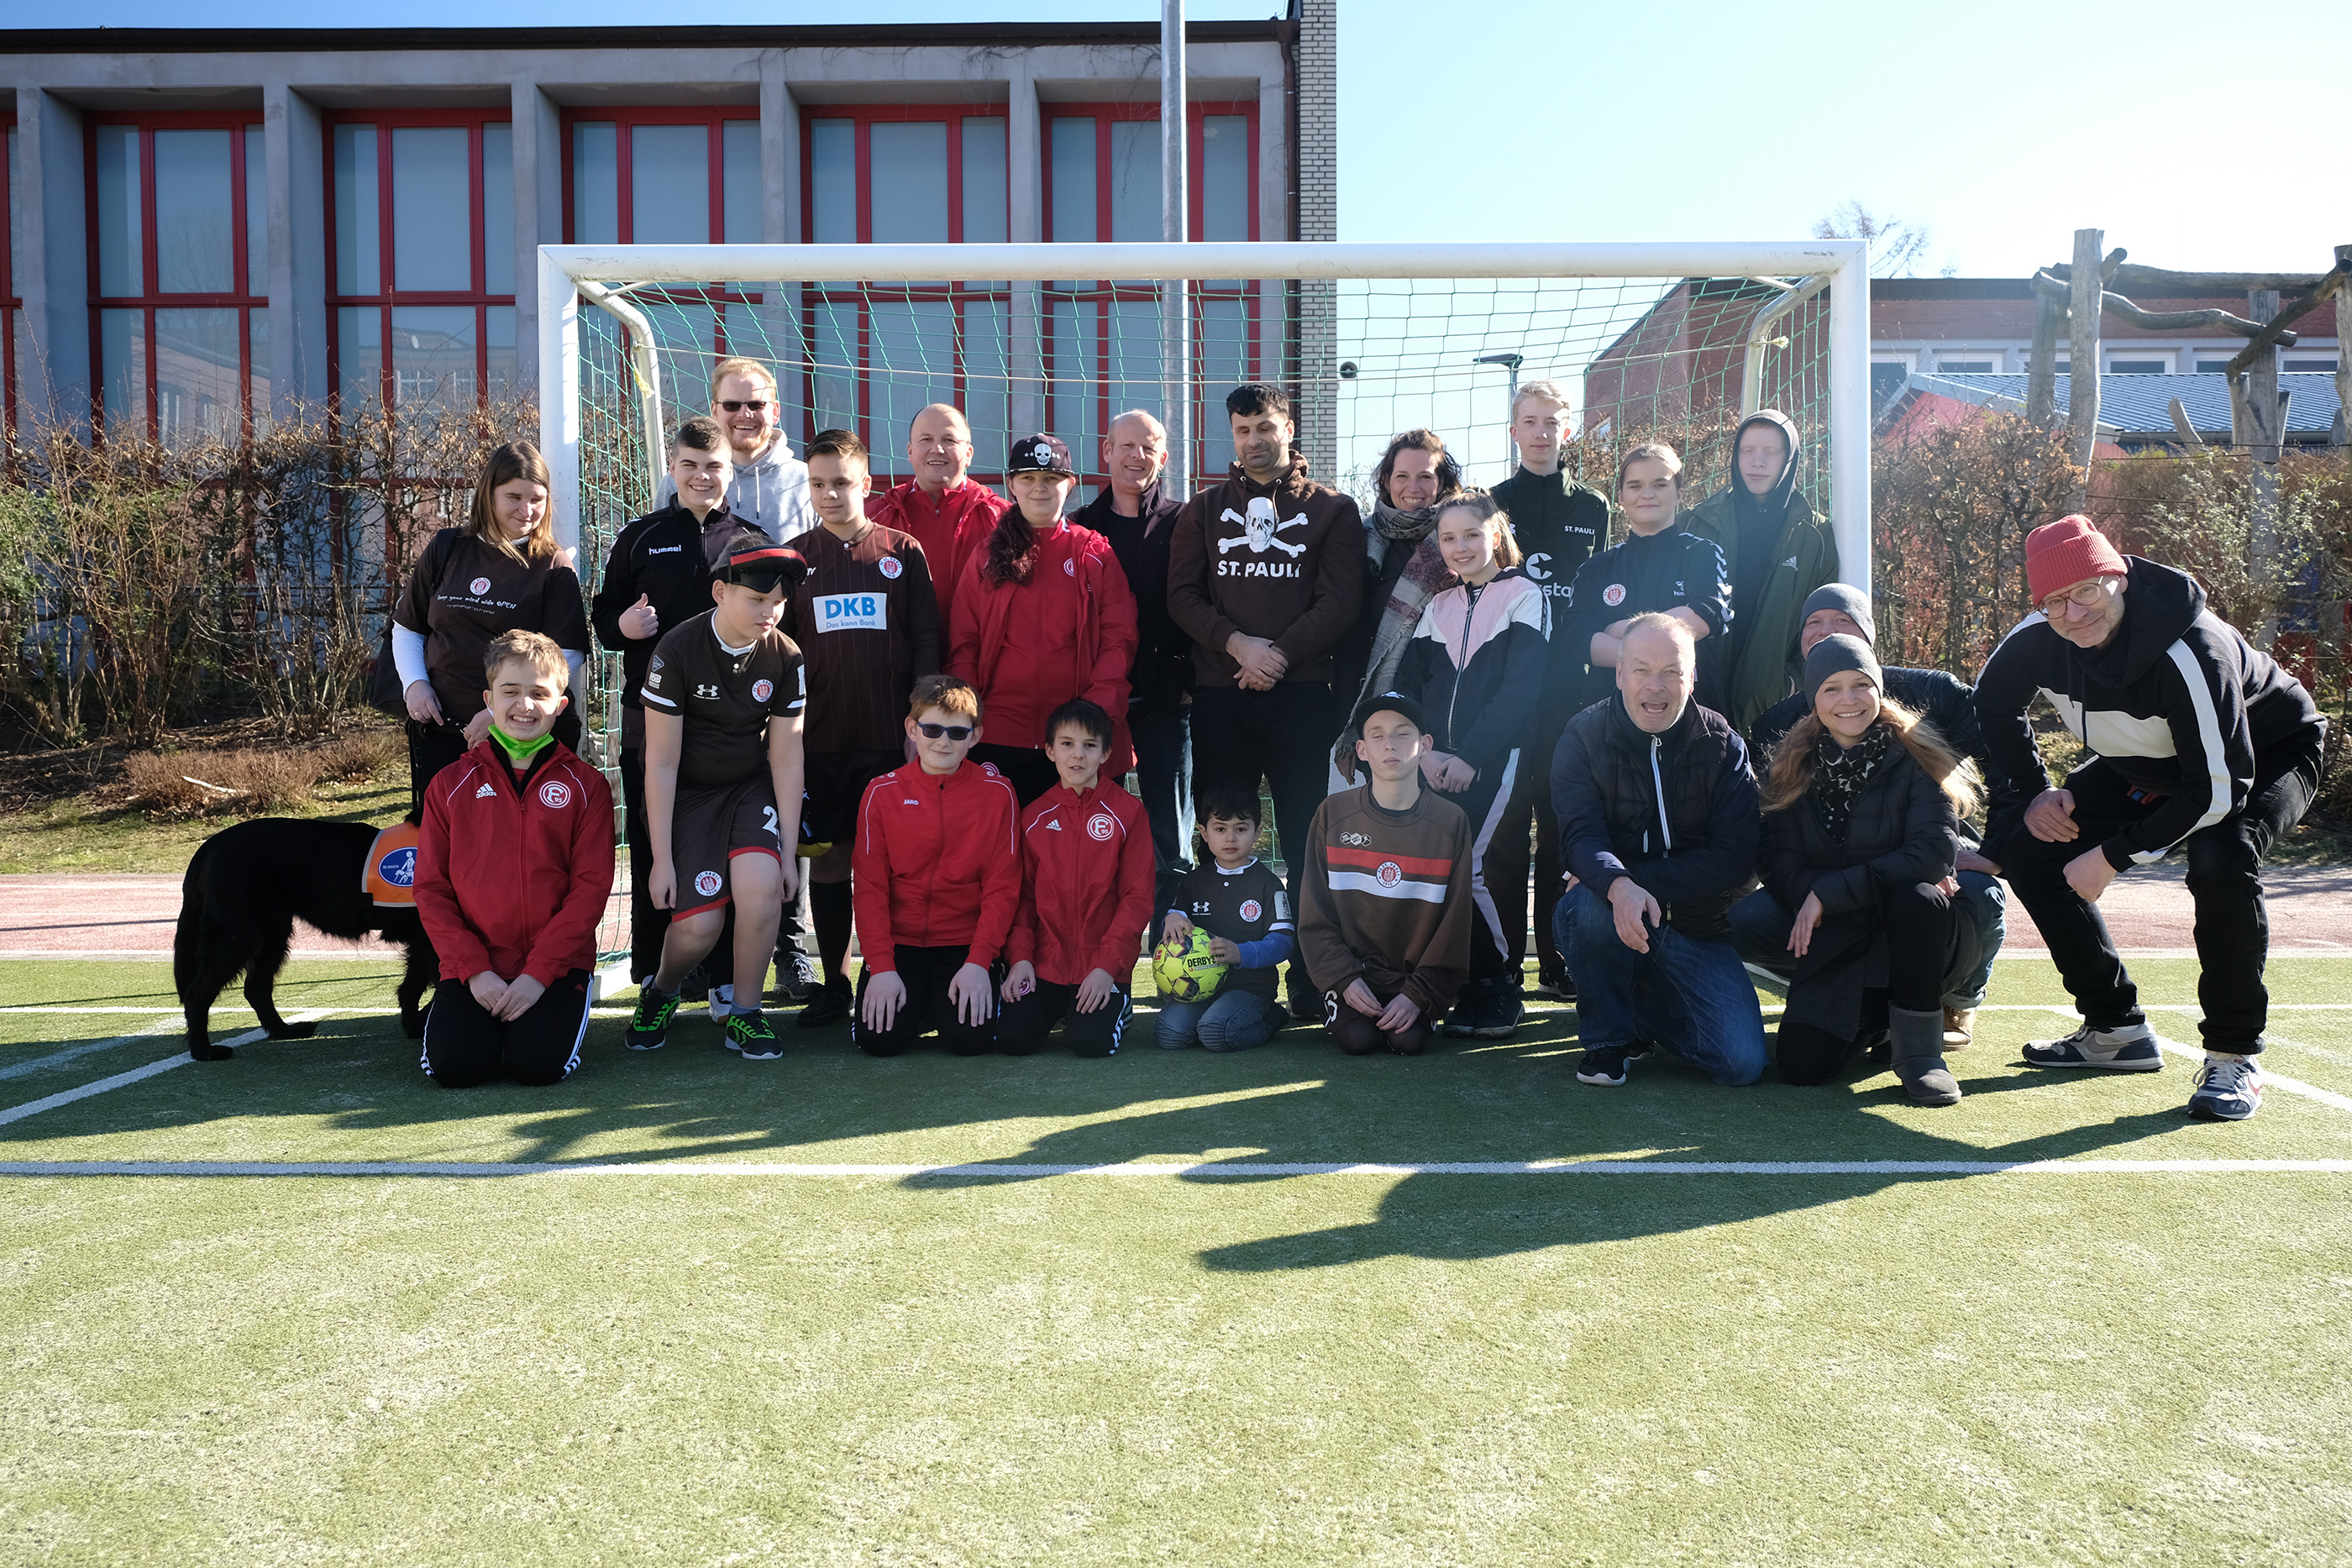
(237, 122)
(387, 297)
(958, 295)
(1101, 294)
(11, 306)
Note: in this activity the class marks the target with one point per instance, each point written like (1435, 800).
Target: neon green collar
(520, 752)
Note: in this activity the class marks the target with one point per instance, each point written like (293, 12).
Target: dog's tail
(187, 937)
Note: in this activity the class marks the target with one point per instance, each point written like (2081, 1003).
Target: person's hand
(488, 990)
(1567, 882)
(2050, 817)
(641, 620)
(1968, 860)
(1178, 929)
(522, 994)
(1631, 905)
(1224, 951)
(1398, 1014)
(789, 882)
(1455, 776)
(567, 558)
(661, 886)
(1096, 989)
(1433, 768)
(2089, 874)
(1262, 664)
(476, 727)
(1359, 997)
(884, 994)
(423, 706)
(969, 991)
(1809, 919)
(1950, 888)
(1019, 981)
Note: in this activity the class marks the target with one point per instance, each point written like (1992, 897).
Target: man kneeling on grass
(1384, 911)
(514, 862)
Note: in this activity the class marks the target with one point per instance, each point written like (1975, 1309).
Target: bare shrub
(359, 756)
(244, 782)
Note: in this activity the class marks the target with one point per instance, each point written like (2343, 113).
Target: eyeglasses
(750, 405)
(2086, 595)
(949, 731)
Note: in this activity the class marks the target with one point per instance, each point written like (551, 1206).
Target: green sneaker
(752, 1034)
(649, 1027)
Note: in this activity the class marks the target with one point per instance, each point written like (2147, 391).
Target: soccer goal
(1674, 343)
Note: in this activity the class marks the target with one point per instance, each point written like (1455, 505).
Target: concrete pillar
(538, 213)
(779, 154)
(54, 282)
(294, 151)
(1025, 170)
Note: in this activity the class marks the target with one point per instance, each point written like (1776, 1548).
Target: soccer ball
(1184, 971)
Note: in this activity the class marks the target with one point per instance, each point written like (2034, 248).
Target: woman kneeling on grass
(1862, 810)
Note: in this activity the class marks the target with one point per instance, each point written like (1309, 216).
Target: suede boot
(1918, 1045)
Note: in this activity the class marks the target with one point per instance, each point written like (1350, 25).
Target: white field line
(1175, 1168)
(73, 1052)
(67, 1096)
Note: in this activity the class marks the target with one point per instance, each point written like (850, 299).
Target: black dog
(246, 887)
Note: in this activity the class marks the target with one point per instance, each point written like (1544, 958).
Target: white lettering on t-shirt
(853, 612)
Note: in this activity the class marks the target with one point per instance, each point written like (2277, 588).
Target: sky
(1709, 121)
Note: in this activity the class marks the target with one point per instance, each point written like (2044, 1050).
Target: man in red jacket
(947, 512)
(935, 877)
(1086, 848)
(514, 863)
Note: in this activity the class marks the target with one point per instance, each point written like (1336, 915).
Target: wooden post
(2344, 353)
(2042, 368)
(2082, 357)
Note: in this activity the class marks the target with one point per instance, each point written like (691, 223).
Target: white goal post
(607, 276)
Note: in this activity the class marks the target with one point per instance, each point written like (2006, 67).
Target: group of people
(1681, 747)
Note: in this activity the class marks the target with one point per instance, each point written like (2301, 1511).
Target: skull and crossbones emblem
(1259, 528)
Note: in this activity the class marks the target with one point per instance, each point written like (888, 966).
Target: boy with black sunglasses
(935, 877)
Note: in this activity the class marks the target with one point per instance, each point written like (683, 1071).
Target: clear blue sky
(1708, 120)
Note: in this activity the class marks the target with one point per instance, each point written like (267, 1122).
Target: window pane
(835, 353)
(1072, 216)
(833, 182)
(256, 213)
(198, 372)
(1070, 411)
(432, 210)
(498, 337)
(498, 209)
(669, 185)
(596, 184)
(433, 355)
(1134, 368)
(257, 367)
(1225, 177)
(1220, 361)
(122, 369)
(16, 229)
(119, 269)
(195, 216)
(359, 356)
(358, 248)
(1135, 180)
(911, 362)
(909, 163)
(986, 217)
(740, 174)
(985, 387)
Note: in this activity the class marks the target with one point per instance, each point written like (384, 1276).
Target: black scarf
(1841, 771)
(1402, 528)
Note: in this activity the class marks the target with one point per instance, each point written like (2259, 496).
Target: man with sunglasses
(2193, 739)
(945, 510)
(770, 490)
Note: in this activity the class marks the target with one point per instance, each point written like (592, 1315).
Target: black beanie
(1846, 598)
(1842, 652)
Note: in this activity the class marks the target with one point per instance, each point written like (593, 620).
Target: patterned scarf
(1840, 772)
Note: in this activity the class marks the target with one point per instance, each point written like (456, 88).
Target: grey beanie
(1841, 652)
(1845, 597)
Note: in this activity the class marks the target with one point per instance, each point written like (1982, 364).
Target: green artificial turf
(1894, 1368)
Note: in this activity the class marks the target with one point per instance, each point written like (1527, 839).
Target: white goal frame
(570, 271)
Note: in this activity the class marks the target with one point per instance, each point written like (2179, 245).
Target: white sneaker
(722, 1004)
(2131, 1049)
(2229, 1089)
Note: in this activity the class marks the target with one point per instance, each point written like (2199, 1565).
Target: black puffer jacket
(1695, 853)
(1903, 830)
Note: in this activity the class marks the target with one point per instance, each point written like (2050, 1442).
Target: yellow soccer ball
(1184, 971)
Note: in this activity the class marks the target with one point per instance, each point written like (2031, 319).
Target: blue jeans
(1760, 928)
(1233, 1021)
(1163, 774)
(1692, 998)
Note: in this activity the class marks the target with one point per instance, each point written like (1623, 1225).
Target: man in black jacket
(1759, 923)
(1659, 823)
(1134, 513)
(2197, 741)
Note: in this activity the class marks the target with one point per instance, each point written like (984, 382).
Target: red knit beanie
(2060, 554)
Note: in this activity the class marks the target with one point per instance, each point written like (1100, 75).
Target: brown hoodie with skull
(1283, 561)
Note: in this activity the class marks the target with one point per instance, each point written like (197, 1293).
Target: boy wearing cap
(2195, 740)
(867, 625)
(1384, 913)
(1043, 614)
(723, 696)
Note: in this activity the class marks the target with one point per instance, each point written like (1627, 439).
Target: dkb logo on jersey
(1252, 909)
(706, 882)
(1101, 826)
(853, 611)
(1390, 873)
(555, 794)
(399, 867)
(762, 690)
(480, 585)
(891, 568)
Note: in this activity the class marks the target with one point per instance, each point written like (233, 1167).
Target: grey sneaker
(2228, 1089)
(2131, 1049)
(797, 974)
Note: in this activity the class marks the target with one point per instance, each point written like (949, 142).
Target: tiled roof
(2141, 406)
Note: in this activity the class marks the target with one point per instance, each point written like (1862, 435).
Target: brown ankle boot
(1960, 1028)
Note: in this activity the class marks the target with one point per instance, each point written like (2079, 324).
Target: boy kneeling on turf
(514, 863)
(723, 699)
(935, 877)
(1086, 875)
(1235, 898)
(1384, 911)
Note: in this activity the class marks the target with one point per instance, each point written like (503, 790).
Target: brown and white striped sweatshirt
(1385, 897)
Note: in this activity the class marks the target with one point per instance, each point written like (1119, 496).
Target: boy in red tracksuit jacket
(1087, 847)
(514, 863)
(935, 878)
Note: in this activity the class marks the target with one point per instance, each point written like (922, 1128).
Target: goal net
(1672, 342)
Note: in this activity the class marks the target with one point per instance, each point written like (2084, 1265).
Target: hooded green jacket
(1755, 664)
